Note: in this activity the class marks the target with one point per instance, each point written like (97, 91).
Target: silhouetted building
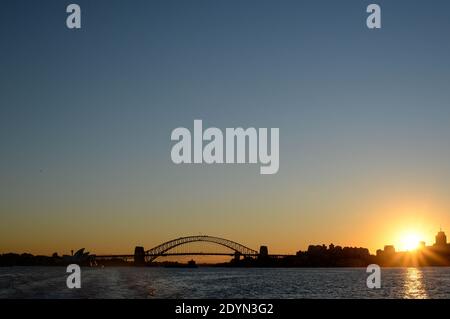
(389, 250)
(422, 245)
(79, 257)
(436, 255)
(441, 239)
(386, 255)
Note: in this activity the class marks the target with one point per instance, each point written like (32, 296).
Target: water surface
(210, 282)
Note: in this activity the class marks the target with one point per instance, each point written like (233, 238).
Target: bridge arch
(159, 250)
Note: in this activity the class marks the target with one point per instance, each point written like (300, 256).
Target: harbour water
(212, 282)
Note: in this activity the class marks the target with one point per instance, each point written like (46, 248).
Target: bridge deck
(184, 254)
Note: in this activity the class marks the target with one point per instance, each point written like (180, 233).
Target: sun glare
(410, 241)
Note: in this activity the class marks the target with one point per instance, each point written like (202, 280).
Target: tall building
(441, 239)
(422, 245)
(389, 250)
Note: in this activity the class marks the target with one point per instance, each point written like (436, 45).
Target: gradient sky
(86, 117)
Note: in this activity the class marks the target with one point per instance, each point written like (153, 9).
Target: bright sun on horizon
(410, 241)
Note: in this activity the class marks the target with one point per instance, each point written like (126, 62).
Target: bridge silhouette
(167, 248)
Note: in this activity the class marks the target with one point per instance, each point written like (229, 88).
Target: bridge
(176, 247)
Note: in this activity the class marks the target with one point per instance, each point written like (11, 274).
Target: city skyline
(175, 252)
(86, 117)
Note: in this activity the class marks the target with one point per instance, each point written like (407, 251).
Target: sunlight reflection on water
(414, 285)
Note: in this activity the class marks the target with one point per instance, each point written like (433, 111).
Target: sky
(86, 117)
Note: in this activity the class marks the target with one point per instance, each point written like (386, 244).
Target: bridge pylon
(139, 256)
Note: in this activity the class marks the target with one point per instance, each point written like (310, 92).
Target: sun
(410, 241)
